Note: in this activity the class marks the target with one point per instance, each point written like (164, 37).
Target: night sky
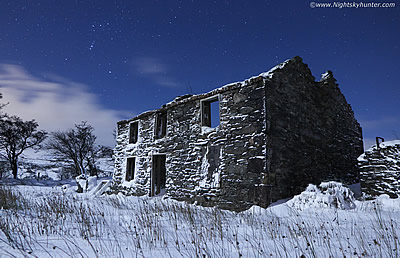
(62, 62)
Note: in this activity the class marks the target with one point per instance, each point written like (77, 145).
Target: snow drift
(327, 194)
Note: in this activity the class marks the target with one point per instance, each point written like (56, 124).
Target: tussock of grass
(9, 199)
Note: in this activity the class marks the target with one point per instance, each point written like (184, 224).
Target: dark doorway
(158, 175)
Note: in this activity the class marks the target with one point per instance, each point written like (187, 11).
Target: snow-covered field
(41, 220)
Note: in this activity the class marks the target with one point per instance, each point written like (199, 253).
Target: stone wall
(312, 133)
(142, 151)
(278, 132)
(219, 166)
(380, 169)
(212, 165)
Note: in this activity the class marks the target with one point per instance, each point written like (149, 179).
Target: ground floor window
(130, 169)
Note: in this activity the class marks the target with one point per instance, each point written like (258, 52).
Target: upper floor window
(210, 112)
(133, 132)
(161, 125)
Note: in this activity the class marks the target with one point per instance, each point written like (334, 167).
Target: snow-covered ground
(49, 220)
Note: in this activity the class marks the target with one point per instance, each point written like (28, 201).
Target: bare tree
(16, 136)
(76, 146)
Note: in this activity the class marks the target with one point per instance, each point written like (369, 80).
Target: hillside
(43, 166)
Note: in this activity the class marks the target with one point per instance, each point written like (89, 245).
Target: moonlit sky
(62, 62)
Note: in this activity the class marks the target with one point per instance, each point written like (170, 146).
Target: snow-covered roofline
(227, 87)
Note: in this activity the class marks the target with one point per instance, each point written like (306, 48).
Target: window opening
(133, 132)
(158, 176)
(210, 112)
(161, 125)
(130, 169)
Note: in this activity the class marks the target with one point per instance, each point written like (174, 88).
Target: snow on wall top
(387, 144)
(382, 145)
(279, 66)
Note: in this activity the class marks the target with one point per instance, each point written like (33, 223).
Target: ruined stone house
(246, 143)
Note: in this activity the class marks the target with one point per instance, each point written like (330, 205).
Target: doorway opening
(158, 175)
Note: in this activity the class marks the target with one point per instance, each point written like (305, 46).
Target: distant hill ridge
(41, 165)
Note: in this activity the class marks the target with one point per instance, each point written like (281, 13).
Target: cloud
(56, 103)
(155, 70)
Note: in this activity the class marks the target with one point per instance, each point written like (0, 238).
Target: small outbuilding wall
(380, 169)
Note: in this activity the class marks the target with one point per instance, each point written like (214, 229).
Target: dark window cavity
(158, 176)
(161, 125)
(130, 169)
(210, 112)
(133, 132)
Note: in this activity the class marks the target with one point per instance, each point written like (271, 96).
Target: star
(92, 45)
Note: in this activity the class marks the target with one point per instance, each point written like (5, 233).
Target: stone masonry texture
(278, 132)
(380, 169)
